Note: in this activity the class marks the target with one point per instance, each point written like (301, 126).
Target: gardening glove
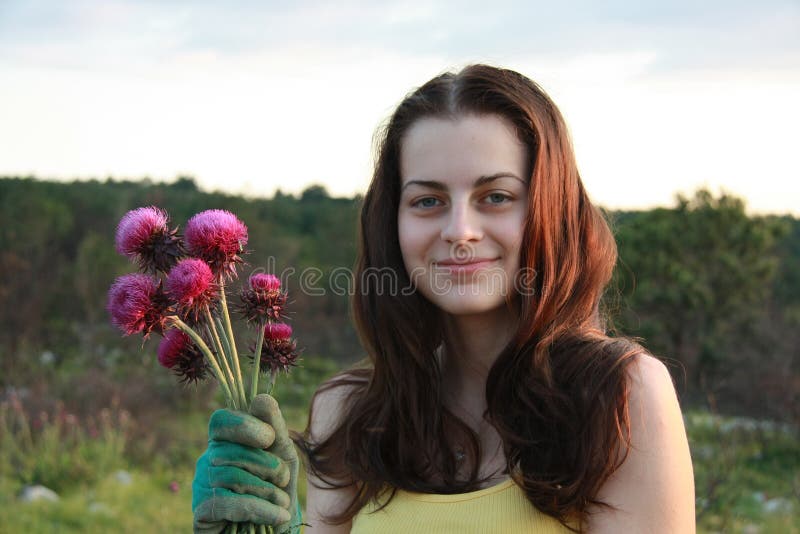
(236, 479)
(266, 408)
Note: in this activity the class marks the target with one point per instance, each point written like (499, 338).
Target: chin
(467, 304)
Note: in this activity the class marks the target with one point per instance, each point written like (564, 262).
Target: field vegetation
(92, 417)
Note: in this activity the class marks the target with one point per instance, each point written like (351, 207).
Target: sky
(252, 96)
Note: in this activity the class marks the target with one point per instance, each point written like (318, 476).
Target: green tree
(695, 279)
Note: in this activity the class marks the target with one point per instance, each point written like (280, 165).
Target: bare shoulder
(650, 387)
(328, 408)
(653, 490)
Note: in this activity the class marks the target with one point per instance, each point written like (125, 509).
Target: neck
(473, 343)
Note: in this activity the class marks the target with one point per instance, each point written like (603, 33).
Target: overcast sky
(250, 96)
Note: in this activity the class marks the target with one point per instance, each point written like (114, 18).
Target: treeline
(702, 283)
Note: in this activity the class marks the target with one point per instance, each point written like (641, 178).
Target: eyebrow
(439, 186)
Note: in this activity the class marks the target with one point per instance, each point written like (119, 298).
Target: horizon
(716, 193)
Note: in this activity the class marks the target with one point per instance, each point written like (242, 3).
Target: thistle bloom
(279, 352)
(277, 331)
(144, 236)
(263, 301)
(191, 283)
(218, 237)
(264, 282)
(178, 352)
(137, 303)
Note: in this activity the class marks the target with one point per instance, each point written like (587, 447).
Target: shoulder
(653, 489)
(330, 403)
(650, 384)
(328, 407)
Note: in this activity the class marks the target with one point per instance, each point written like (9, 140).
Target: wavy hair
(557, 393)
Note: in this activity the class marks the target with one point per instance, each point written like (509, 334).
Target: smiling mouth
(465, 267)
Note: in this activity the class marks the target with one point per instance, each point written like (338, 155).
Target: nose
(462, 224)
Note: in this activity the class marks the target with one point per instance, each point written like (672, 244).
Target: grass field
(747, 472)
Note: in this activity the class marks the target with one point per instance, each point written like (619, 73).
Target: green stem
(221, 330)
(229, 329)
(224, 356)
(273, 375)
(207, 352)
(257, 361)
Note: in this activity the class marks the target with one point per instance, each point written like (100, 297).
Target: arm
(328, 408)
(654, 488)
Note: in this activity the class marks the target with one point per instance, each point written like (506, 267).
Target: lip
(466, 267)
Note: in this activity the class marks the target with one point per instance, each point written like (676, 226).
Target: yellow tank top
(501, 508)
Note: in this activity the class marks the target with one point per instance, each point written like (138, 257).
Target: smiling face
(462, 210)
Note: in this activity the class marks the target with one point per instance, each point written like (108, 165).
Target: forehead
(461, 149)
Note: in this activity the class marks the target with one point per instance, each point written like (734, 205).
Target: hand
(266, 408)
(236, 480)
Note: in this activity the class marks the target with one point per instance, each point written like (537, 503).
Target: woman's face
(462, 210)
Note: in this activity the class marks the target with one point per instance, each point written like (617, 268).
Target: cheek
(412, 240)
(512, 238)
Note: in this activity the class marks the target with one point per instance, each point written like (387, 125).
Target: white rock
(123, 477)
(778, 504)
(99, 508)
(38, 493)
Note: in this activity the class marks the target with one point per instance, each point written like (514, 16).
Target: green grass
(147, 504)
(740, 467)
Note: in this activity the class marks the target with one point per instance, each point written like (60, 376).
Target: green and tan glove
(248, 473)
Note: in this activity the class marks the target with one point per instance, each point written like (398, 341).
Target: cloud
(684, 34)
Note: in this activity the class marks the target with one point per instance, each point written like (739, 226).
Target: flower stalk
(223, 382)
(223, 355)
(257, 363)
(233, 353)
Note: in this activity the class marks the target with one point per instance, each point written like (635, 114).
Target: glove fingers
(266, 409)
(239, 427)
(242, 482)
(226, 505)
(262, 464)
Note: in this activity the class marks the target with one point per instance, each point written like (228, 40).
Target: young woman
(492, 400)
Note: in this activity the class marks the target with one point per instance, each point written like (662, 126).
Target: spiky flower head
(218, 237)
(192, 284)
(178, 352)
(137, 303)
(279, 352)
(144, 236)
(264, 282)
(277, 331)
(263, 300)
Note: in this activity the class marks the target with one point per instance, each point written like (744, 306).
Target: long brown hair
(557, 393)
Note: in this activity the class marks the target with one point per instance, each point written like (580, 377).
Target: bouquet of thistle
(180, 294)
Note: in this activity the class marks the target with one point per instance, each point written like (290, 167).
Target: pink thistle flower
(279, 352)
(264, 282)
(277, 331)
(137, 303)
(191, 283)
(263, 301)
(178, 352)
(143, 235)
(218, 237)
